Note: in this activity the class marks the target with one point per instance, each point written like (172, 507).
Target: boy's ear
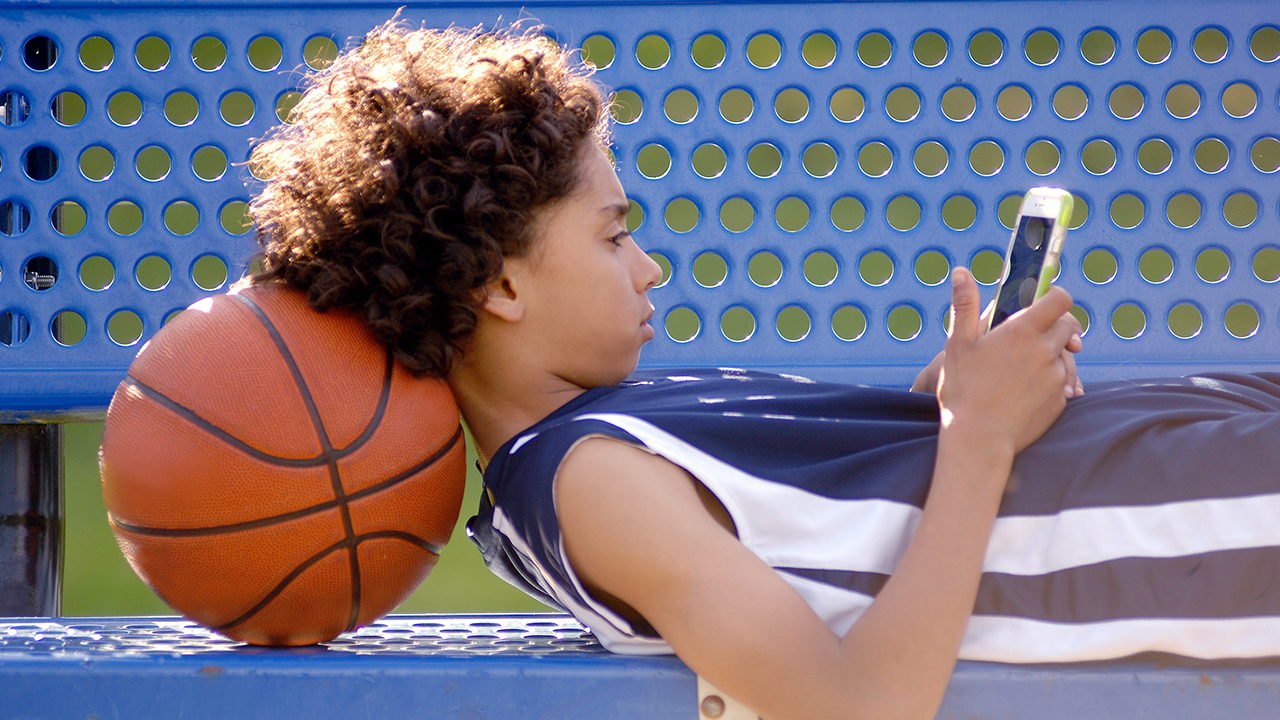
(502, 301)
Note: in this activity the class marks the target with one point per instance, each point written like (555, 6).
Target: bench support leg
(30, 520)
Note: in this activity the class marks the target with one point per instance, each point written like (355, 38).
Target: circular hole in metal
(820, 268)
(1014, 103)
(905, 323)
(929, 49)
(818, 50)
(1041, 48)
(124, 218)
(986, 158)
(653, 52)
(1213, 265)
(1211, 155)
(1183, 210)
(737, 214)
(764, 269)
(791, 214)
(710, 270)
(208, 53)
(708, 51)
(1082, 315)
(236, 108)
(635, 215)
(265, 53)
(1240, 210)
(40, 273)
(682, 324)
(124, 109)
(153, 163)
(40, 53)
(664, 264)
(68, 218)
(285, 105)
(68, 328)
(1265, 155)
(959, 212)
(15, 218)
(1154, 46)
(1128, 321)
(319, 53)
(932, 267)
(653, 161)
(793, 323)
(847, 105)
(680, 106)
(986, 48)
(1265, 44)
(1097, 47)
(1185, 321)
(1099, 266)
(958, 103)
(626, 107)
(903, 213)
(931, 158)
(1239, 100)
(681, 215)
(153, 273)
(791, 105)
(209, 163)
(235, 218)
(1079, 213)
(1155, 266)
(1126, 102)
(15, 328)
(764, 160)
(181, 217)
(1210, 45)
(737, 324)
(209, 272)
(736, 106)
(181, 108)
(848, 323)
(709, 160)
(40, 163)
(820, 160)
(152, 54)
(764, 51)
(97, 53)
(848, 213)
(1127, 211)
(902, 104)
(1155, 156)
(97, 273)
(1241, 320)
(1043, 157)
(875, 50)
(1182, 101)
(1098, 157)
(68, 108)
(875, 268)
(1070, 102)
(124, 327)
(875, 159)
(987, 266)
(1266, 264)
(598, 51)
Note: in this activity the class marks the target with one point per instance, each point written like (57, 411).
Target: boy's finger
(965, 314)
(1044, 312)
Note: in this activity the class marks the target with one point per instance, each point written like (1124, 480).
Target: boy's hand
(1010, 384)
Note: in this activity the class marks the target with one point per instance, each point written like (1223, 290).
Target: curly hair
(411, 167)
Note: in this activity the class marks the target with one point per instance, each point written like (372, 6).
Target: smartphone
(1031, 263)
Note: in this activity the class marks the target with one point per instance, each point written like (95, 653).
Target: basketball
(274, 475)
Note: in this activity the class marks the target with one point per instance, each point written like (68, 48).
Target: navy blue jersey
(1146, 519)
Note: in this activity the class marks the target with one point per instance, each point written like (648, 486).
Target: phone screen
(1026, 256)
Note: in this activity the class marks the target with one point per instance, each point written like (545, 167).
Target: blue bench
(807, 172)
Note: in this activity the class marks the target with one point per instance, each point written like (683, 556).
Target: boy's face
(583, 285)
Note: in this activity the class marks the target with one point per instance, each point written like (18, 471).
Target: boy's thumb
(966, 310)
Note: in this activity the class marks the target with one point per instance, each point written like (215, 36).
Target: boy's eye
(617, 239)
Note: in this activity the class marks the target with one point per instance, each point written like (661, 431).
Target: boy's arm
(636, 530)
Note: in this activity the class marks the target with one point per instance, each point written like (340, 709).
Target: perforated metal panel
(809, 171)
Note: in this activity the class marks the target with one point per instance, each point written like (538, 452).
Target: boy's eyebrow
(616, 209)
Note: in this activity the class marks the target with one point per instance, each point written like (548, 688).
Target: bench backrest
(809, 171)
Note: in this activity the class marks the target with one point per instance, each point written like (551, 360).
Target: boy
(813, 550)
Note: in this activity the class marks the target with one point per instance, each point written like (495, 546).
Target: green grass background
(98, 582)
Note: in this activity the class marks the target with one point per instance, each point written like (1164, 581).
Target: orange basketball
(274, 475)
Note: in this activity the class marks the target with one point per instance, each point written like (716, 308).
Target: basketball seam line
(293, 514)
(326, 448)
(301, 568)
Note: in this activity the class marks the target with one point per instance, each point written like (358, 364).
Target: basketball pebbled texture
(273, 474)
